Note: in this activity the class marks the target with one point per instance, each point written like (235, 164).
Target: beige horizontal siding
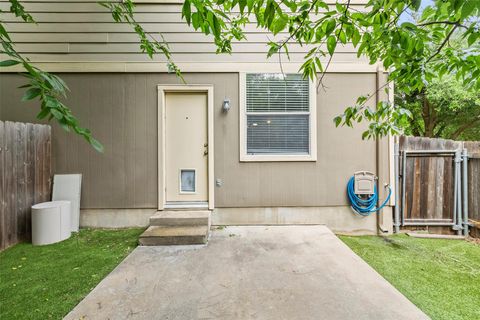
(62, 37)
(184, 57)
(83, 31)
(93, 17)
(43, 47)
(65, 6)
(105, 16)
(180, 37)
(140, 6)
(184, 48)
(160, 27)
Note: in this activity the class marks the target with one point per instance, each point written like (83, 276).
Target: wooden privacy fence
(25, 177)
(430, 174)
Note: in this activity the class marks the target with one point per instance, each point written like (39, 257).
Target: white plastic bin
(51, 222)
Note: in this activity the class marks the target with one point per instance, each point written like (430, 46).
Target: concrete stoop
(177, 228)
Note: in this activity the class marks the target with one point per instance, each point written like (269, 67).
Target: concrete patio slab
(254, 272)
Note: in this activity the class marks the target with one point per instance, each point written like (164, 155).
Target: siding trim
(151, 67)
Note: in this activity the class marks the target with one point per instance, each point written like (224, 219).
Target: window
(277, 118)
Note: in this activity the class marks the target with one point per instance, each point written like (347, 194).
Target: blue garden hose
(365, 206)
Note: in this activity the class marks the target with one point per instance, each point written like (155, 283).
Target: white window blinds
(278, 114)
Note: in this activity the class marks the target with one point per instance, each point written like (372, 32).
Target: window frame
(245, 157)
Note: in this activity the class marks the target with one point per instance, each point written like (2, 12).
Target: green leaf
(323, 5)
(279, 24)
(355, 37)
(242, 4)
(337, 120)
(408, 25)
(291, 5)
(216, 27)
(416, 4)
(472, 38)
(274, 47)
(43, 113)
(57, 114)
(4, 33)
(330, 26)
(342, 37)
(361, 100)
(468, 8)
(31, 93)
(187, 11)
(96, 144)
(331, 44)
(340, 7)
(365, 135)
(8, 63)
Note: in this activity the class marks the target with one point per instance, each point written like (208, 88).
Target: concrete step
(174, 235)
(181, 218)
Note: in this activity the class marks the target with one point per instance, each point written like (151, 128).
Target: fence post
(465, 192)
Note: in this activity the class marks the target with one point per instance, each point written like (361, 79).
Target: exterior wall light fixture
(226, 105)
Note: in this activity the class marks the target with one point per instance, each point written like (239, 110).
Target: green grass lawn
(442, 277)
(46, 282)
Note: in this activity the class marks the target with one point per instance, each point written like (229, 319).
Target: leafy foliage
(444, 109)
(46, 87)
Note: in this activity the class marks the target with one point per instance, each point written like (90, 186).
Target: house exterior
(274, 157)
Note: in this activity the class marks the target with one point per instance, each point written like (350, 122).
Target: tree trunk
(429, 116)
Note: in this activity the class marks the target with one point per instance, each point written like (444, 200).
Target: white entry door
(186, 148)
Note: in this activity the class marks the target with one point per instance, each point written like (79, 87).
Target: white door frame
(162, 90)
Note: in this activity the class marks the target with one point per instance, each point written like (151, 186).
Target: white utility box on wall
(364, 182)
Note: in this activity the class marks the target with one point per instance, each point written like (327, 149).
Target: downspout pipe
(465, 192)
(397, 186)
(379, 158)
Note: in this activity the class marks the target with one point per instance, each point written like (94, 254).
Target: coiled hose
(365, 206)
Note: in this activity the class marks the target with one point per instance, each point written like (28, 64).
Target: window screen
(278, 114)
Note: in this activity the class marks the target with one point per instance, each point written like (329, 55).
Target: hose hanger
(363, 194)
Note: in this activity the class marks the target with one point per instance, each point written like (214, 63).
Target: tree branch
(294, 33)
(439, 49)
(455, 23)
(464, 127)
